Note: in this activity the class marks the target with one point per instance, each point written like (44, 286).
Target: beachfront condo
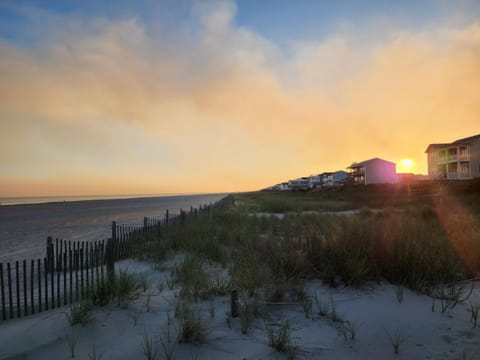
(457, 160)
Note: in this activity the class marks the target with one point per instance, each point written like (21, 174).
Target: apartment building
(457, 160)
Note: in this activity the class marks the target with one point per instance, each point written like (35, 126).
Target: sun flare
(406, 165)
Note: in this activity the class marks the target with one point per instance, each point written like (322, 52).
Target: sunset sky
(184, 96)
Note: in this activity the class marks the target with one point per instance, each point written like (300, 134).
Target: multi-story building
(336, 178)
(457, 160)
(373, 171)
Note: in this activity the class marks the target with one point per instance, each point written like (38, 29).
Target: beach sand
(375, 310)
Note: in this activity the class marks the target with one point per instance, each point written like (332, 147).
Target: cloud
(217, 103)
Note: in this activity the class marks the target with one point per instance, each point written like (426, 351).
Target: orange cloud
(108, 107)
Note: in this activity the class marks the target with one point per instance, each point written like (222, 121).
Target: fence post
(166, 218)
(114, 230)
(110, 260)
(4, 317)
(49, 254)
(182, 217)
(234, 304)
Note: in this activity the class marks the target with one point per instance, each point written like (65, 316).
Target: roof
(467, 140)
(363, 163)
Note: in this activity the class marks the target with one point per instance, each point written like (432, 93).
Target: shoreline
(53, 200)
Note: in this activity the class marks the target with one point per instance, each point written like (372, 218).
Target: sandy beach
(380, 314)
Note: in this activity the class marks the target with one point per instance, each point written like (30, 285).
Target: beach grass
(418, 237)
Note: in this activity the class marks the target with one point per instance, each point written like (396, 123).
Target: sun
(406, 164)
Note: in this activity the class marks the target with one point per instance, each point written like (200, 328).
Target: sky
(186, 96)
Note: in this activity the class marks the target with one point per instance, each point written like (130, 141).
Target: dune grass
(414, 237)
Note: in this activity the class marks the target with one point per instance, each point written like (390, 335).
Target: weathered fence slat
(25, 294)
(32, 288)
(10, 297)
(39, 277)
(64, 278)
(45, 266)
(70, 269)
(17, 287)
(4, 315)
(82, 289)
(52, 288)
(58, 280)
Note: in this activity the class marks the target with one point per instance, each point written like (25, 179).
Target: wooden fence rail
(71, 270)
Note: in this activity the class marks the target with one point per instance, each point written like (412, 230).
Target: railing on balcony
(452, 175)
(357, 172)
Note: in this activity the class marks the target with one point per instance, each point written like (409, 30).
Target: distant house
(336, 178)
(457, 160)
(300, 183)
(314, 181)
(373, 171)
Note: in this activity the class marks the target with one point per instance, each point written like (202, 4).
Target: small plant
(212, 309)
(149, 348)
(399, 293)
(192, 327)
(322, 307)
(396, 339)
(228, 319)
(160, 286)
(144, 282)
(136, 314)
(451, 295)
(307, 304)
(126, 288)
(333, 313)
(474, 308)
(349, 329)
(167, 342)
(148, 301)
(249, 307)
(170, 283)
(280, 340)
(79, 313)
(93, 355)
(103, 293)
(71, 341)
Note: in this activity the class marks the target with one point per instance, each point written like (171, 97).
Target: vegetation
(421, 237)
(79, 313)
(279, 337)
(417, 236)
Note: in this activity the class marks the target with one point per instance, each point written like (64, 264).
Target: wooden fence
(71, 270)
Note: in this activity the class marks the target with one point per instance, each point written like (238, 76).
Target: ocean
(25, 223)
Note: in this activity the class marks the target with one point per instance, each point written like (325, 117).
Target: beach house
(330, 179)
(457, 160)
(372, 171)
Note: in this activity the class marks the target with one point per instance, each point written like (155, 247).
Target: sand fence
(72, 270)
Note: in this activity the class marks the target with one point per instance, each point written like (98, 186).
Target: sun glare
(406, 165)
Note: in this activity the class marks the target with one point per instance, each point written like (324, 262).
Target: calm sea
(25, 223)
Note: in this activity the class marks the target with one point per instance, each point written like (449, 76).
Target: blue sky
(281, 21)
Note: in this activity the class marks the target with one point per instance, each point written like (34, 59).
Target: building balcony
(357, 172)
(464, 157)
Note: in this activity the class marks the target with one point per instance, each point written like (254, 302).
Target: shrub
(79, 313)
(126, 288)
(192, 329)
(280, 338)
